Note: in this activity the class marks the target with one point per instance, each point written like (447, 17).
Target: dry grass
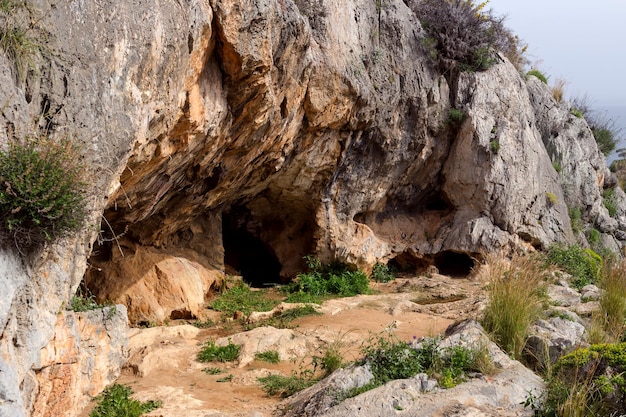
(609, 323)
(558, 89)
(516, 290)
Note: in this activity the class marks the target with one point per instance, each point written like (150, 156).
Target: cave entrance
(247, 255)
(454, 264)
(407, 264)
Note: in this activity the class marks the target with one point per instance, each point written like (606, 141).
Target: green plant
(226, 378)
(19, 37)
(593, 237)
(213, 370)
(576, 112)
(270, 356)
(42, 191)
(284, 386)
(552, 199)
(81, 303)
(609, 201)
(584, 265)
(455, 116)
(382, 273)
(464, 36)
(516, 295)
(575, 217)
(335, 279)
(605, 138)
(211, 352)
(604, 129)
(588, 382)
(536, 73)
(242, 298)
(203, 324)
(612, 313)
(556, 164)
(115, 401)
(495, 146)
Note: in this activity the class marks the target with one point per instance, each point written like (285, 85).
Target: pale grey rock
(500, 394)
(550, 339)
(563, 295)
(590, 293)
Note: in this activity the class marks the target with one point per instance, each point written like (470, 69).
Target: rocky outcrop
(230, 136)
(85, 355)
(500, 394)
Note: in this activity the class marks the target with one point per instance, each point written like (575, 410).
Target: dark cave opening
(408, 264)
(454, 264)
(248, 255)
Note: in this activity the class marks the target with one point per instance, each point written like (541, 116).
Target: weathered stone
(563, 295)
(85, 355)
(550, 339)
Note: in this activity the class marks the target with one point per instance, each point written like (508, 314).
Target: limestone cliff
(231, 135)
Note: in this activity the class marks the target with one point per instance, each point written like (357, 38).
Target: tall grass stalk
(611, 318)
(516, 291)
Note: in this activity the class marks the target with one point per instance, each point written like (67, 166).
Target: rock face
(238, 136)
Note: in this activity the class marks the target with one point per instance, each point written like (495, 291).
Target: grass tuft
(213, 353)
(516, 293)
(269, 356)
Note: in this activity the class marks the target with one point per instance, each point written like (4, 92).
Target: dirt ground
(163, 363)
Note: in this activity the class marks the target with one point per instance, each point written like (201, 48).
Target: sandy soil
(166, 369)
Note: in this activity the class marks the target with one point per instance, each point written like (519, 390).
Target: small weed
(495, 146)
(593, 237)
(270, 356)
(284, 386)
(536, 73)
(227, 378)
(382, 273)
(115, 401)
(81, 303)
(552, 199)
(556, 164)
(574, 111)
(204, 324)
(211, 352)
(575, 217)
(609, 201)
(213, 370)
(455, 116)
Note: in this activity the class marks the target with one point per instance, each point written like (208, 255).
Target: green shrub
(584, 265)
(211, 352)
(42, 192)
(242, 298)
(382, 273)
(575, 217)
(538, 74)
(495, 146)
(576, 112)
(115, 401)
(516, 294)
(605, 138)
(593, 237)
(335, 279)
(270, 356)
(455, 116)
(463, 35)
(552, 199)
(81, 303)
(608, 198)
(557, 166)
(588, 382)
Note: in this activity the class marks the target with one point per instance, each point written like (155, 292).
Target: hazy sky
(583, 42)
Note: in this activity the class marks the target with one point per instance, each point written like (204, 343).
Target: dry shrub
(516, 289)
(558, 89)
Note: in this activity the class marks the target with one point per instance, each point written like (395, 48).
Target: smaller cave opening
(438, 202)
(248, 255)
(407, 264)
(454, 264)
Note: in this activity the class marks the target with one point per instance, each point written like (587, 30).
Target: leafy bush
(516, 293)
(575, 218)
(462, 35)
(455, 117)
(605, 138)
(495, 146)
(115, 401)
(552, 199)
(588, 382)
(576, 112)
(382, 273)
(211, 352)
(335, 279)
(538, 74)
(584, 265)
(42, 192)
(242, 298)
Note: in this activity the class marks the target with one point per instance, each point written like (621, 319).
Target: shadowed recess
(454, 264)
(247, 255)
